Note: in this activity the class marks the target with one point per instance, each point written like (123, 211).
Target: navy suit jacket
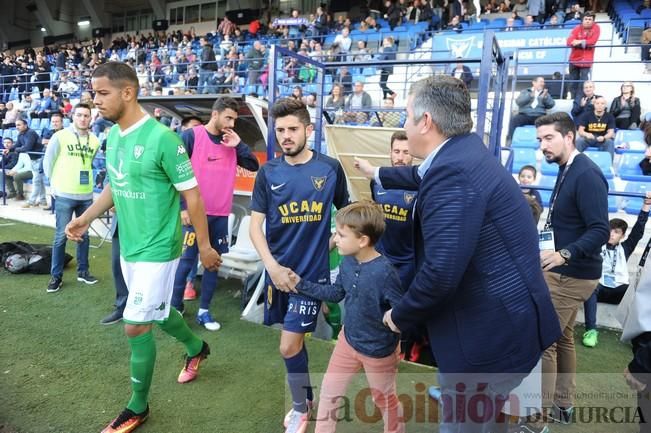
(479, 286)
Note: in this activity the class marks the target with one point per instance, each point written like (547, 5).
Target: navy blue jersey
(398, 206)
(297, 201)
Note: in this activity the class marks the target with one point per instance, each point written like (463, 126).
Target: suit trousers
(559, 360)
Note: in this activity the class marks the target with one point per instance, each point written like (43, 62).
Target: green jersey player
(148, 168)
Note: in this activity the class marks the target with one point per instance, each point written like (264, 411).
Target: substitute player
(148, 167)
(215, 150)
(294, 193)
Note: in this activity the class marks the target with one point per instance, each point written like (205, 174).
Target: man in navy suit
(478, 285)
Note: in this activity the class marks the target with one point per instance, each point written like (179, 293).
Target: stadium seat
(603, 160)
(506, 154)
(242, 259)
(525, 136)
(548, 169)
(14, 134)
(613, 205)
(634, 204)
(548, 181)
(521, 157)
(629, 168)
(6, 133)
(624, 138)
(34, 122)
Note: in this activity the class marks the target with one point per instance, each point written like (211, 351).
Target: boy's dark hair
(119, 73)
(82, 105)
(398, 135)
(291, 107)
(186, 120)
(620, 224)
(365, 218)
(222, 104)
(528, 167)
(562, 122)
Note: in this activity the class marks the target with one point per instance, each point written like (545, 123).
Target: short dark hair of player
(536, 209)
(365, 218)
(562, 122)
(59, 115)
(119, 73)
(530, 168)
(186, 120)
(222, 104)
(82, 105)
(398, 135)
(618, 224)
(291, 107)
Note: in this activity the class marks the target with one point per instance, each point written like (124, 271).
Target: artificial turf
(62, 372)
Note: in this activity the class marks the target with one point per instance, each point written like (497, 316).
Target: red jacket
(582, 56)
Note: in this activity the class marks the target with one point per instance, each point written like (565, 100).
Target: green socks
(143, 358)
(177, 328)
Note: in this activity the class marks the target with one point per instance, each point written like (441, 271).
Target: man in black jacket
(29, 142)
(208, 67)
(576, 228)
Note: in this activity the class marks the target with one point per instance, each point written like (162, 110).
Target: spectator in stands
(56, 124)
(9, 160)
(532, 103)
(388, 119)
(645, 50)
(510, 24)
(143, 75)
(45, 106)
(393, 14)
(336, 100)
(13, 111)
(67, 107)
(66, 87)
(583, 40)
(646, 4)
(68, 164)
(358, 100)
(645, 164)
(575, 13)
(207, 67)
(361, 54)
(29, 142)
(255, 61)
(521, 9)
(3, 111)
(527, 176)
(226, 27)
(536, 11)
(584, 103)
(193, 79)
(555, 85)
(18, 169)
(455, 24)
(626, 108)
(554, 23)
(297, 93)
(597, 129)
(462, 72)
(388, 52)
(42, 69)
(344, 78)
(344, 42)
(614, 272)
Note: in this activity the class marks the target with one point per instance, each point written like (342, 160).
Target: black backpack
(37, 258)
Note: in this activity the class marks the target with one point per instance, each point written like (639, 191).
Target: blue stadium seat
(506, 154)
(548, 169)
(523, 156)
(633, 205)
(603, 160)
(629, 168)
(45, 124)
(613, 200)
(627, 136)
(66, 122)
(33, 123)
(14, 134)
(548, 181)
(525, 136)
(6, 133)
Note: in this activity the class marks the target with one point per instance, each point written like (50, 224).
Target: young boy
(614, 275)
(527, 176)
(369, 286)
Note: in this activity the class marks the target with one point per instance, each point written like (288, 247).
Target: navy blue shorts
(218, 232)
(297, 313)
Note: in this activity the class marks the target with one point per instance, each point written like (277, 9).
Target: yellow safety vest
(73, 168)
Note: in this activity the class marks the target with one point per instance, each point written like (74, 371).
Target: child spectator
(527, 176)
(614, 275)
(369, 286)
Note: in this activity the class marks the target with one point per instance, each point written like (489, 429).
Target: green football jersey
(147, 167)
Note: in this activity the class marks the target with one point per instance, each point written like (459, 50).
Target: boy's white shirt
(621, 267)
